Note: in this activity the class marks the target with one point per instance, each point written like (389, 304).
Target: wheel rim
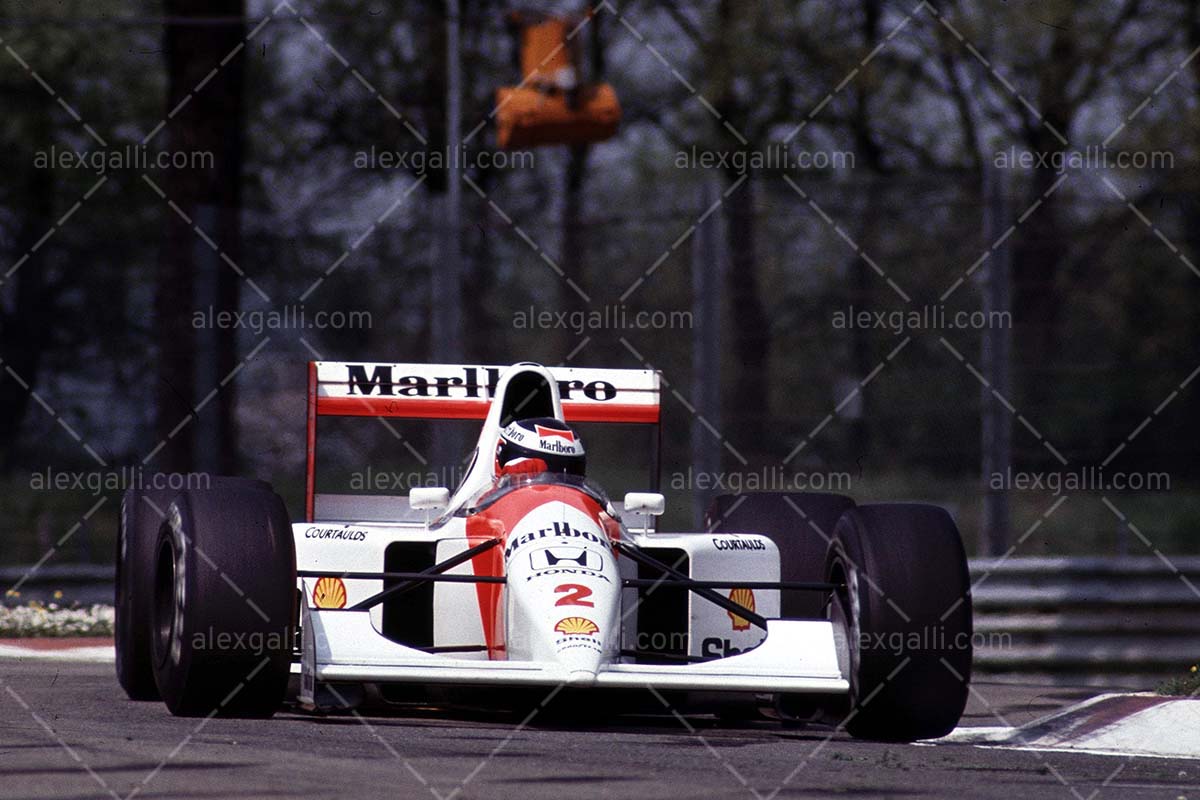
(164, 599)
(846, 623)
(120, 593)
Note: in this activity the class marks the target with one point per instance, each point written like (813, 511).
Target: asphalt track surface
(67, 731)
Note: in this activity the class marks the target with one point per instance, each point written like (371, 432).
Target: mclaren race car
(528, 576)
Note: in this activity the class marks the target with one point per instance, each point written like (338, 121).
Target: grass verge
(1185, 686)
(53, 620)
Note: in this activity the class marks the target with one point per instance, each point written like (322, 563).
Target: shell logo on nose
(745, 598)
(577, 626)
(329, 593)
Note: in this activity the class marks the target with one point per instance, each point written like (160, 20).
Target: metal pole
(451, 266)
(446, 283)
(706, 354)
(448, 270)
(206, 430)
(996, 358)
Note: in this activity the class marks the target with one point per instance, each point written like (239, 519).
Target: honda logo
(550, 557)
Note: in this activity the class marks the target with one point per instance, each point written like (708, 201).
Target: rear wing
(465, 392)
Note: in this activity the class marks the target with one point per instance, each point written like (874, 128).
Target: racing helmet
(540, 444)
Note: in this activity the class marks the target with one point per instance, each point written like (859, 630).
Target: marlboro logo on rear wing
(465, 392)
(447, 391)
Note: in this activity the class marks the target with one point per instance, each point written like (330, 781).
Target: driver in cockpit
(548, 446)
(538, 445)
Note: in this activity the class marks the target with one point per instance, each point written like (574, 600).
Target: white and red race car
(807, 602)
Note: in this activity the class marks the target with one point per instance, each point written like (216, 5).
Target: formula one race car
(528, 575)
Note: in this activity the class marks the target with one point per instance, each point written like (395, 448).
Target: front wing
(797, 656)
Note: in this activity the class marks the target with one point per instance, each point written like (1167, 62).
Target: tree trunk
(862, 356)
(1041, 249)
(1191, 298)
(211, 122)
(862, 277)
(573, 258)
(25, 331)
(747, 399)
(485, 337)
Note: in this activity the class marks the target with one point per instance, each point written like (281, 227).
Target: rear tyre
(224, 602)
(800, 524)
(902, 619)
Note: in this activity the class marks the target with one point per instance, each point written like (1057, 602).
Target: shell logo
(743, 597)
(329, 593)
(578, 626)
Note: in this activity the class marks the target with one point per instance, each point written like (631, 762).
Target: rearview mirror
(651, 504)
(429, 498)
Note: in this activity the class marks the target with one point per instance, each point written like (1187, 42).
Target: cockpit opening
(528, 394)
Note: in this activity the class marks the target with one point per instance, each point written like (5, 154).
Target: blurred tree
(1107, 326)
(69, 302)
(1046, 71)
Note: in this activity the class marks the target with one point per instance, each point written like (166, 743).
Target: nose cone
(563, 593)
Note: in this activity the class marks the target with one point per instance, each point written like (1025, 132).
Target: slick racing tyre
(224, 602)
(902, 619)
(800, 524)
(142, 512)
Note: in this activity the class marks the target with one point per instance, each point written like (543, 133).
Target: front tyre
(902, 619)
(224, 603)
(137, 536)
